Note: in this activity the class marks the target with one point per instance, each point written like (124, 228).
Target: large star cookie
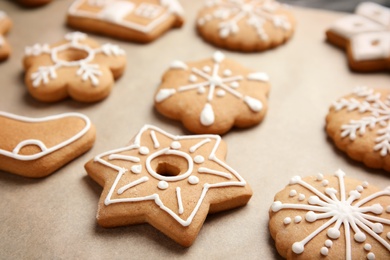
(171, 182)
(245, 25)
(331, 217)
(359, 124)
(77, 67)
(133, 20)
(365, 36)
(213, 95)
(5, 26)
(36, 147)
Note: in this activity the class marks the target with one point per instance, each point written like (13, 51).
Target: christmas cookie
(36, 147)
(365, 36)
(359, 124)
(5, 26)
(77, 67)
(331, 217)
(171, 182)
(244, 25)
(34, 3)
(213, 95)
(132, 20)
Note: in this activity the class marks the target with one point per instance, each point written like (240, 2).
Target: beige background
(54, 217)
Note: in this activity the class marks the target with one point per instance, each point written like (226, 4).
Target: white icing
(235, 179)
(218, 57)
(137, 169)
(388, 209)
(177, 64)
(388, 235)
(324, 251)
(116, 11)
(371, 256)
(227, 73)
(371, 46)
(375, 12)
(149, 11)
(234, 84)
(175, 145)
(254, 104)
(350, 211)
(320, 177)
(292, 193)
(214, 172)
(193, 78)
(199, 159)
(132, 184)
(144, 150)
(297, 219)
(220, 93)
(163, 185)
(367, 247)
(287, 221)
(258, 76)
(207, 117)
(124, 157)
(44, 149)
(301, 197)
(164, 94)
(156, 143)
(325, 183)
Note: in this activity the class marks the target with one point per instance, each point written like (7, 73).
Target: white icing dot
(201, 21)
(201, 90)
(388, 209)
(276, 206)
(206, 69)
(367, 247)
(360, 237)
(227, 72)
(136, 169)
(193, 78)
(388, 235)
(324, 251)
(333, 233)
(298, 248)
(325, 183)
(175, 145)
(234, 84)
(311, 216)
(365, 184)
(320, 177)
(221, 93)
(301, 197)
(328, 243)
(293, 193)
(163, 185)
(144, 150)
(371, 256)
(297, 219)
(199, 159)
(193, 180)
(359, 188)
(287, 221)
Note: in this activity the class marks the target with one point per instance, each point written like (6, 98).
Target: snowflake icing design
(86, 70)
(255, 13)
(348, 211)
(380, 116)
(140, 171)
(219, 83)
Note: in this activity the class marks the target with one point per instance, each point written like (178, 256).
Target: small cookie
(34, 3)
(77, 67)
(359, 124)
(133, 20)
(213, 95)
(171, 182)
(36, 147)
(365, 36)
(5, 26)
(331, 217)
(244, 25)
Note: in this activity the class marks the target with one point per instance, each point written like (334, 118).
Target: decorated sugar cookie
(171, 182)
(36, 147)
(365, 36)
(245, 25)
(359, 124)
(76, 67)
(331, 217)
(213, 95)
(133, 20)
(34, 3)
(5, 26)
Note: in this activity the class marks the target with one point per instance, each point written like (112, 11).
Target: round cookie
(331, 217)
(359, 125)
(171, 182)
(244, 25)
(5, 26)
(76, 67)
(213, 95)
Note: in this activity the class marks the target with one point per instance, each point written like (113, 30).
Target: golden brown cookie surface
(213, 95)
(34, 3)
(171, 182)
(245, 25)
(331, 217)
(5, 26)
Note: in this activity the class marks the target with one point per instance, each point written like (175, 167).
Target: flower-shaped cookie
(213, 95)
(5, 26)
(133, 20)
(359, 124)
(36, 147)
(245, 25)
(77, 67)
(331, 217)
(365, 36)
(171, 182)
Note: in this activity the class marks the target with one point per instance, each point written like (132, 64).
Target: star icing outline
(204, 139)
(339, 212)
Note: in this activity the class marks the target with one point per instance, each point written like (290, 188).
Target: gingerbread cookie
(36, 147)
(34, 3)
(365, 36)
(77, 67)
(244, 25)
(5, 26)
(359, 124)
(331, 217)
(171, 182)
(213, 95)
(133, 20)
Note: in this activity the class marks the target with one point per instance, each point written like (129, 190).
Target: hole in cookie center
(72, 54)
(166, 169)
(169, 165)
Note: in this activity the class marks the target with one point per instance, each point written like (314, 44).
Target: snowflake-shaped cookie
(133, 20)
(212, 96)
(77, 67)
(365, 36)
(331, 217)
(360, 125)
(245, 25)
(5, 26)
(171, 182)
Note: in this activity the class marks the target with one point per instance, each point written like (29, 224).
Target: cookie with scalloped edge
(243, 25)
(359, 125)
(5, 26)
(331, 217)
